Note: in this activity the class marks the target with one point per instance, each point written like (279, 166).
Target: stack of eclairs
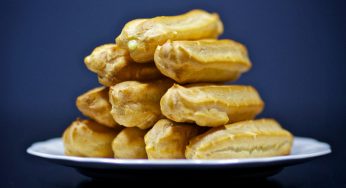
(163, 96)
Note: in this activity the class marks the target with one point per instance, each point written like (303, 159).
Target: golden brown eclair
(141, 37)
(202, 61)
(129, 144)
(95, 105)
(245, 139)
(86, 138)
(211, 105)
(168, 139)
(137, 104)
(113, 65)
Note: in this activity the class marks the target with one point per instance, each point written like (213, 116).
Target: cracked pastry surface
(141, 37)
(113, 65)
(95, 105)
(129, 144)
(246, 139)
(137, 104)
(202, 61)
(211, 105)
(168, 139)
(87, 138)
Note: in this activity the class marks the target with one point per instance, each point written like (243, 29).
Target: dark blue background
(298, 50)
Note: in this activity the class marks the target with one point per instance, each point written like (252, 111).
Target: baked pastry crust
(141, 37)
(129, 144)
(113, 65)
(246, 139)
(137, 104)
(168, 139)
(211, 105)
(202, 61)
(86, 138)
(95, 105)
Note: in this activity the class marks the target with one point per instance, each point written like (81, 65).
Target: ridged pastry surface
(202, 61)
(129, 144)
(141, 37)
(95, 105)
(137, 104)
(211, 105)
(246, 139)
(168, 139)
(113, 65)
(86, 138)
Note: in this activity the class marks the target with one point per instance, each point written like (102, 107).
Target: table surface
(29, 171)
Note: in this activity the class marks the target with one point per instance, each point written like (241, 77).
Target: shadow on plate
(236, 177)
(181, 173)
(157, 182)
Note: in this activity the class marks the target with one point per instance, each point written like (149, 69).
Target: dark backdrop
(298, 50)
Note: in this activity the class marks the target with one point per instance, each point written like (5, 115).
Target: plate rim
(186, 162)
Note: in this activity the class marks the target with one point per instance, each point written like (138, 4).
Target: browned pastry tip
(129, 144)
(113, 65)
(168, 139)
(87, 138)
(137, 104)
(95, 105)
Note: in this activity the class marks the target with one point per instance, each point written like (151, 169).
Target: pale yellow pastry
(141, 37)
(86, 138)
(129, 144)
(202, 61)
(113, 65)
(137, 104)
(246, 139)
(168, 139)
(95, 105)
(211, 105)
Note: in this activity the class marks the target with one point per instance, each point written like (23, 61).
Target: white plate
(304, 149)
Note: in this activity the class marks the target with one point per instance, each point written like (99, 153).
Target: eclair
(87, 138)
(202, 60)
(245, 139)
(211, 105)
(137, 104)
(113, 65)
(129, 144)
(168, 139)
(95, 105)
(141, 37)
